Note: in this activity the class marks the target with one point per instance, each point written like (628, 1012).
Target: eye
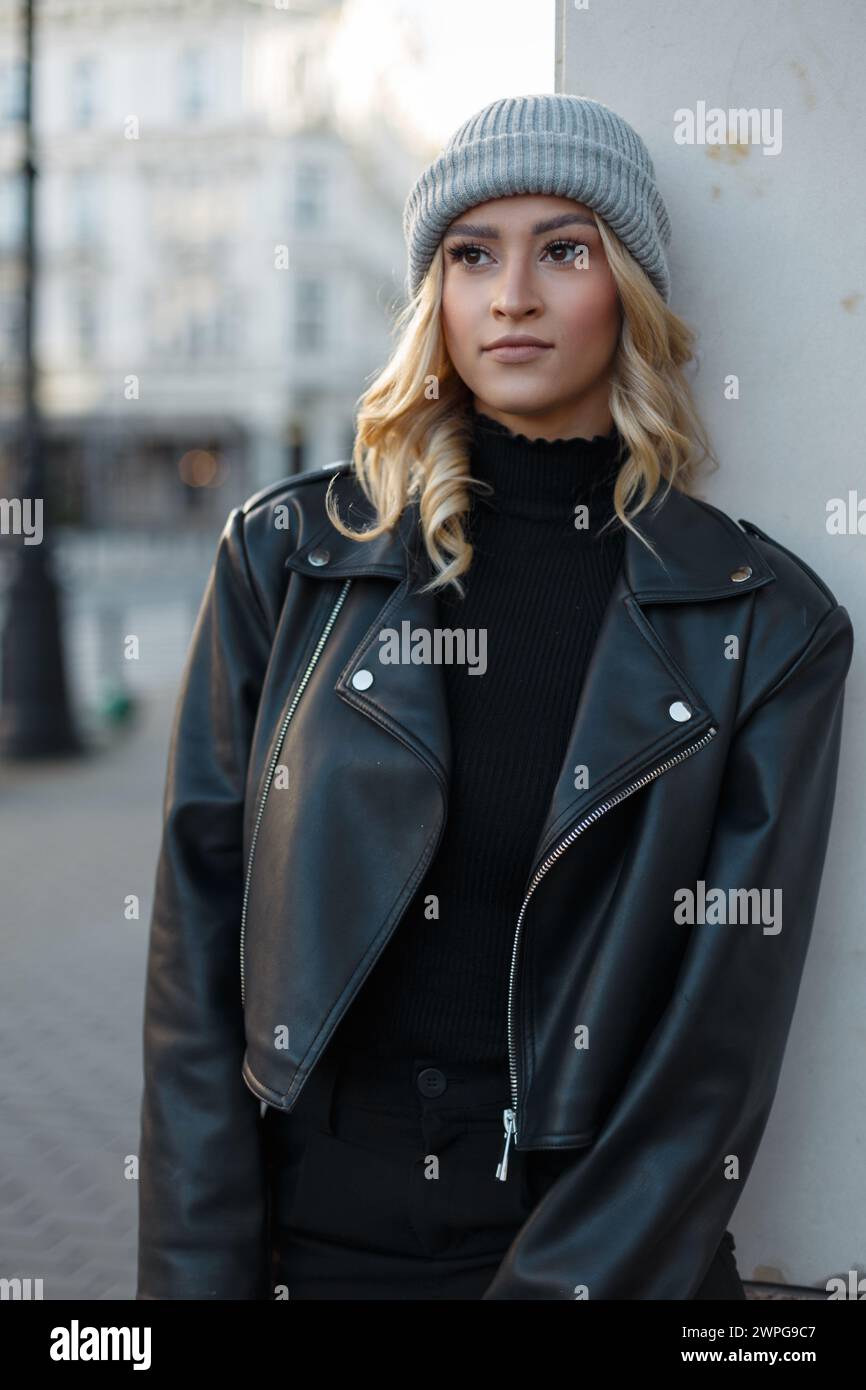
(566, 246)
(464, 249)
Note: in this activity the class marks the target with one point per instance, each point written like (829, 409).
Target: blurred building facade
(218, 257)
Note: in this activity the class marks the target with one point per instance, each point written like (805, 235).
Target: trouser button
(431, 1081)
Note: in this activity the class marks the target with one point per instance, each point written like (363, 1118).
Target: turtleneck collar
(545, 479)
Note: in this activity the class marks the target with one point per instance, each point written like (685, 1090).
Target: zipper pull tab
(502, 1168)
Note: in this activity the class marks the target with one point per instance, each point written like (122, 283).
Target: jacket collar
(699, 549)
(628, 725)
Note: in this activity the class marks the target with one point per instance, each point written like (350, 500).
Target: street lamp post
(35, 715)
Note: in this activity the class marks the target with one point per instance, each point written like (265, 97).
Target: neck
(545, 479)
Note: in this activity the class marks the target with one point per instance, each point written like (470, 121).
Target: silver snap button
(679, 711)
(744, 572)
(362, 680)
(319, 556)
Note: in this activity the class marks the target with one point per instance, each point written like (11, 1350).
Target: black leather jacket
(306, 794)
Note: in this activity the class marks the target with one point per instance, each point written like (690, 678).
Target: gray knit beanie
(570, 146)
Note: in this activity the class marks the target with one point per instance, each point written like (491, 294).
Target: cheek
(593, 311)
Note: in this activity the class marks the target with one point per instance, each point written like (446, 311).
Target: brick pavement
(78, 837)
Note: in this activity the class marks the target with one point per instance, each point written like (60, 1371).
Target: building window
(195, 319)
(298, 75)
(309, 322)
(84, 220)
(84, 311)
(11, 211)
(12, 73)
(11, 328)
(82, 92)
(192, 76)
(309, 210)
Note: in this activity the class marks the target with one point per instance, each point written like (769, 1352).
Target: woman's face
(534, 266)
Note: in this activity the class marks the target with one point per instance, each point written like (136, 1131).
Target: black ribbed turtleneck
(542, 480)
(539, 585)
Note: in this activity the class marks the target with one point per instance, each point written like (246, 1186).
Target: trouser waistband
(412, 1085)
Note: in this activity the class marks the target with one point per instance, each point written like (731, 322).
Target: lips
(518, 350)
(518, 340)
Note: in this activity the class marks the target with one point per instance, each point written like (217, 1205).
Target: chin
(519, 405)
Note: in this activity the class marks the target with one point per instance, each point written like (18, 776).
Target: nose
(515, 295)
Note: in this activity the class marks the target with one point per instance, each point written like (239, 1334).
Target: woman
(477, 770)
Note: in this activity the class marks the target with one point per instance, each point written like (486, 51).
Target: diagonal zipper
(509, 1116)
(332, 618)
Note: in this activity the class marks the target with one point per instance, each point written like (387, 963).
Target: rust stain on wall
(728, 154)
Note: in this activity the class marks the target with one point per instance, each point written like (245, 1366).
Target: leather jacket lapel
(638, 706)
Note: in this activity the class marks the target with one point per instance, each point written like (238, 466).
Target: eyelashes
(458, 252)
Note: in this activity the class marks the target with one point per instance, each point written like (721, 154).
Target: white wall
(768, 261)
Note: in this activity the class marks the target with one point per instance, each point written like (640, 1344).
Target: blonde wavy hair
(413, 429)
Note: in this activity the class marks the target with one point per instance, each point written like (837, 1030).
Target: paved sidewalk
(77, 838)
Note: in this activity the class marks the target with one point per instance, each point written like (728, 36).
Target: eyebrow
(550, 224)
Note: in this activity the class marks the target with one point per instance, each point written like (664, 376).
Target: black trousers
(382, 1185)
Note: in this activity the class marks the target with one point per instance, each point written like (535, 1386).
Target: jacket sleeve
(643, 1209)
(201, 1177)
